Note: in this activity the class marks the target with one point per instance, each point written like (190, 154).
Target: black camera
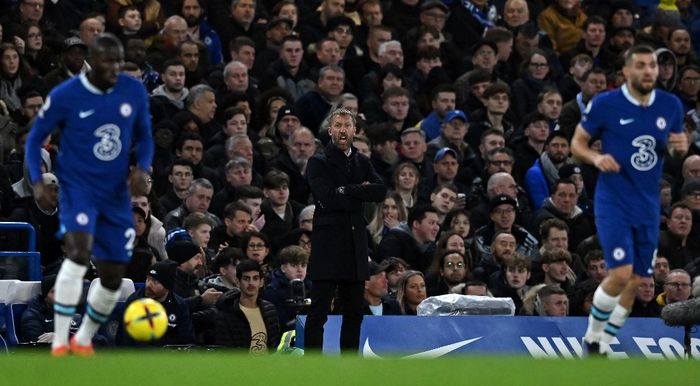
(297, 294)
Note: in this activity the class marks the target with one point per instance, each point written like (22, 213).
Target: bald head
(175, 29)
(691, 167)
(89, 29)
(502, 183)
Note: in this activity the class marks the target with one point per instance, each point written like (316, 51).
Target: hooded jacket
(671, 84)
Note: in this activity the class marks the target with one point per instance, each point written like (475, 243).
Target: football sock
(616, 321)
(603, 305)
(100, 303)
(67, 291)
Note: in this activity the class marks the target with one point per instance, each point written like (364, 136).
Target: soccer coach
(341, 179)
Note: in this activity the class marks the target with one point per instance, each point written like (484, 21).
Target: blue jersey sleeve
(143, 139)
(49, 118)
(592, 117)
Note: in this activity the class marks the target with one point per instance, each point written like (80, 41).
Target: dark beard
(637, 86)
(193, 22)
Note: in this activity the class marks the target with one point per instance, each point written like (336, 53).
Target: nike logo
(85, 114)
(626, 121)
(367, 351)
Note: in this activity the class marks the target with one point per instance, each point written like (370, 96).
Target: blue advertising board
(540, 337)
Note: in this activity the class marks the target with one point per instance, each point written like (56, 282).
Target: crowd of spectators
(466, 108)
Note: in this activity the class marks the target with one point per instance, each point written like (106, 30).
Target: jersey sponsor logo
(85, 114)
(125, 110)
(644, 159)
(45, 107)
(618, 254)
(82, 218)
(109, 146)
(624, 122)
(661, 123)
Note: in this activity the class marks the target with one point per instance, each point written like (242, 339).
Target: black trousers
(350, 295)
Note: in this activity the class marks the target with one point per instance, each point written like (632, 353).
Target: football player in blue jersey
(102, 116)
(637, 125)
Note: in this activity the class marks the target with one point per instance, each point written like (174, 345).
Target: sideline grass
(234, 368)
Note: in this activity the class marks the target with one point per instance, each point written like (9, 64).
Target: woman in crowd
(406, 180)
(14, 74)
(257, 246)
(388, 215)
(411, 291)
(38, 56)
(536, 76)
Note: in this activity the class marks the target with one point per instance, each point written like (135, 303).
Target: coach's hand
(137, 182)
(606, 163)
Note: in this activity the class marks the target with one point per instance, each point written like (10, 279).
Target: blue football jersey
(97, 130)
(636, 136)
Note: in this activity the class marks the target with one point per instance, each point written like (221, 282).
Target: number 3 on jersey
(110, 145)
(645, 158)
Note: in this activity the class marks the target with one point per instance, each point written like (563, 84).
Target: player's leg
(112, 251)
(616, 240)
(620, 312)
(101, 299)
(645, 241)
(69, 286)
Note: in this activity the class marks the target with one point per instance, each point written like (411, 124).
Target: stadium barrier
(539, 337)
(10, 269)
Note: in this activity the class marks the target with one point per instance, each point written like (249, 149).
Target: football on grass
(145, 320)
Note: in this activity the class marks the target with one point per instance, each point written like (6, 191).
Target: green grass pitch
(235, 368)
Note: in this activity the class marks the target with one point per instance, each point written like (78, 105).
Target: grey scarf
(551, 173)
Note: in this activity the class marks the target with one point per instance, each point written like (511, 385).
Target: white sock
(69, 287)
(615, 323)
(101, 302)
(603, 305)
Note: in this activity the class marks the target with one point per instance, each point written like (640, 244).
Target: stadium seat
(4, 291)
(109, 328)
(19, 294)
(127, 288)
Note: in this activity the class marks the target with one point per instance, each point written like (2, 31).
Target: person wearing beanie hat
(503, 210)
(160, 280)
(189, 259)
(622, 14)
(37, 320)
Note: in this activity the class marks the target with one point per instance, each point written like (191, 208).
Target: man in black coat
(341, 180)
